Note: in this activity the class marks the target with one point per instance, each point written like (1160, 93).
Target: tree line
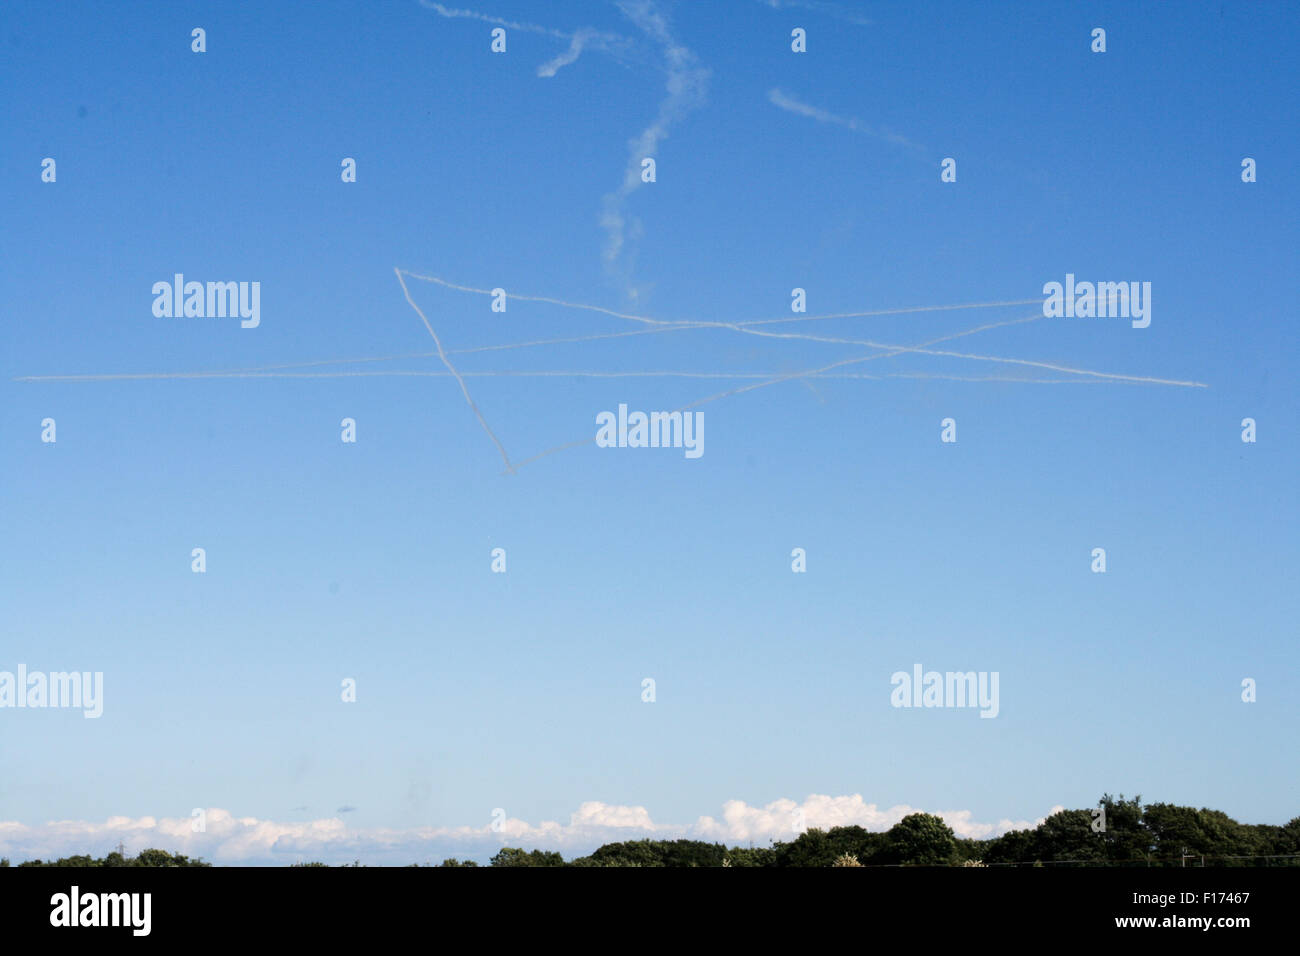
(1124, 833)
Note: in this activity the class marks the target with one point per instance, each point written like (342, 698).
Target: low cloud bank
(231, 841)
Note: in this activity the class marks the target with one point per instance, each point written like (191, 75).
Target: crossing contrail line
(451, 368)
(885, 350)
(560, 373)
(695, 322)
(745, 327)
(890, 347)
(888, 351)
(879, 355)
(239, 372)
(923, 348)
(794, 375)
(896, 350)
(660, 326)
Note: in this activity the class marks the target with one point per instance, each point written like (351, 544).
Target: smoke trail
(578, 40)
(687, 86)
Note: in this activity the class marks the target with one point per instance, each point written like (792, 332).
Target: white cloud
(234, 840)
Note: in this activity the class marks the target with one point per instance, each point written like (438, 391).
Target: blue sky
(775, 170)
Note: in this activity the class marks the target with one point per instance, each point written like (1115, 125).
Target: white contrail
(687, 85)
(542, 298)
(475, 15)
(789, 103)
(924, 349)
(578, 40)
(451, 368)
(556, 373)
(833, 10)
(663, 326)
(707, 324)
(785, 101)
(853, 361)
(658, 326)
(892, 349)
(920, 349)
(885, 350)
